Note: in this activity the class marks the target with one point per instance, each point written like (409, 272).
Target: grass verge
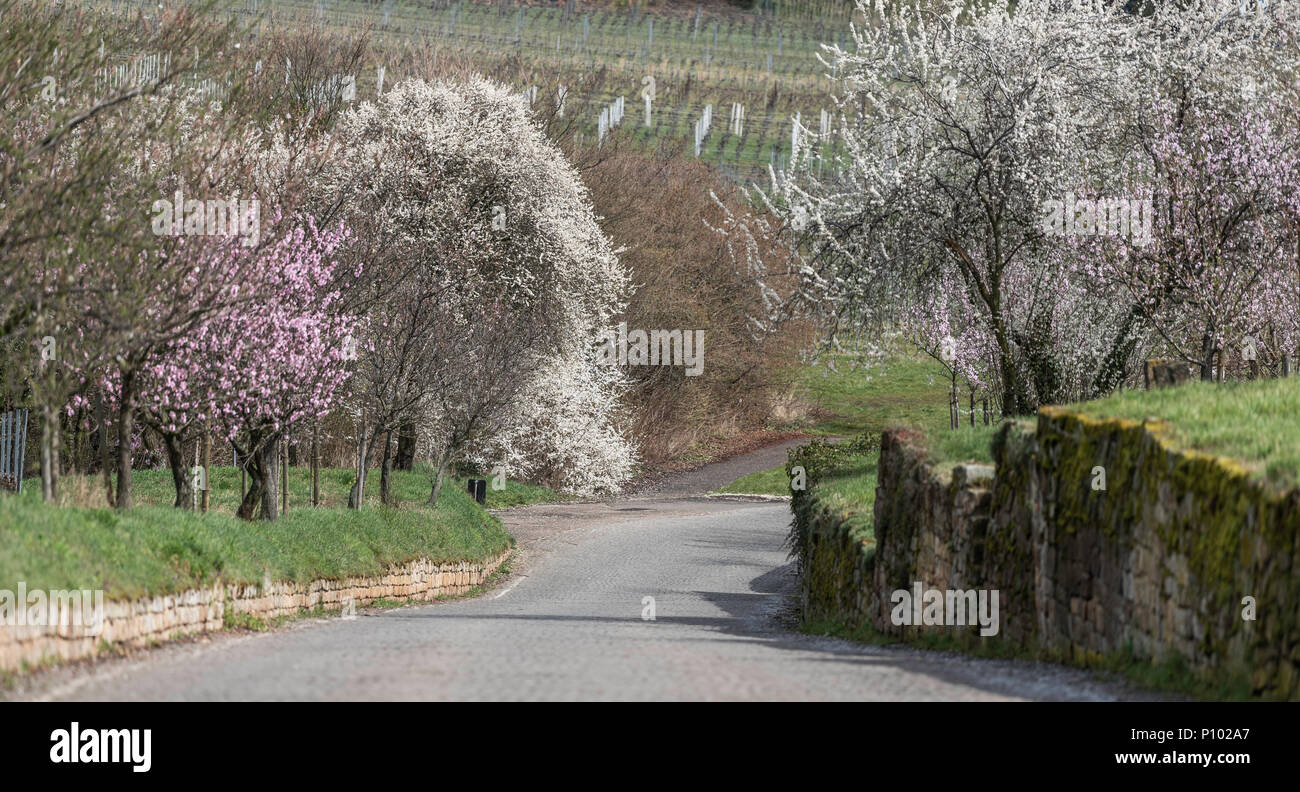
(764, 482)
(157, 549)
(1252, 422)
(851, 401)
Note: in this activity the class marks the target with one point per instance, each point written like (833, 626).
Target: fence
(13, 449)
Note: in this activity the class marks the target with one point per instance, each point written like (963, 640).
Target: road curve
(568, 624)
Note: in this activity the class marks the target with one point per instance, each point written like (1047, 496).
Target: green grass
(849, 488)
(155, 548)
(517, 493)
(154, 487)
(903, 390)
(243, 621)
(947, 448)
(764, 482)
(848, 485)
(1253, 422)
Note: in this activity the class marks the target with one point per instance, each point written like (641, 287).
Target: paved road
(568, 625)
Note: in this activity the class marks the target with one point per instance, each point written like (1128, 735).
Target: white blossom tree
(487, 271)
(962, 125)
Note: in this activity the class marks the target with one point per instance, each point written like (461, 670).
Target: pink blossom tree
(272, 352)
(1220, 270)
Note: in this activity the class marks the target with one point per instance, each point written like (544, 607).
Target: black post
(477, 489)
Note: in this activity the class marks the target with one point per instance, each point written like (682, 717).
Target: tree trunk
(406, 446)
(49, 453)
(443, 458)
(243, 472)
(284, 475)
(1113, 369)
(270, 466)
(386, 470)
(1207, 355)
(315, 465)
(125, 427)
(105, 453)
(1013, 401)
(252, 495)
(180, 476)
(263, 466)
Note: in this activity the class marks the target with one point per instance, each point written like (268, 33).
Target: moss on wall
(1150, 571)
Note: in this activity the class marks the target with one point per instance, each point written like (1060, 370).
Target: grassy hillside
(158, 549)
(853, 402)
(1252, 423)
(765, 58)
(155, 548)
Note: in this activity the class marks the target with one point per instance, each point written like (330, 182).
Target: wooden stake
(361, 463)
(954, 417)
(194, 491)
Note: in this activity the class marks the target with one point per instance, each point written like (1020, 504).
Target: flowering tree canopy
(486, 273)
(1056, 189)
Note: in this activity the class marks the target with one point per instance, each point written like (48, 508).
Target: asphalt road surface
(568, 624)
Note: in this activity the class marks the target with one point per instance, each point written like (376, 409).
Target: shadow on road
(766, 616)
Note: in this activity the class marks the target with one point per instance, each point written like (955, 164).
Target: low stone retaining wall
(140, 622)
(1154, 566)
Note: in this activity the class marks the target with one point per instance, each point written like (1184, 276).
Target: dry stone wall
(1154, 566)
(141, 622)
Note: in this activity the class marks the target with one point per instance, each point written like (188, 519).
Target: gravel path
(568, 625)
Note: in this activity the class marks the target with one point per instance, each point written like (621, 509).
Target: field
(849, 401)
(716, 56)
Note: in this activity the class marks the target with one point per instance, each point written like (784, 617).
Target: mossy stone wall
(1155, 566)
